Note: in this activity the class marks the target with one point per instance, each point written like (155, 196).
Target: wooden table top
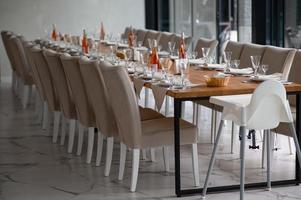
(235, 86)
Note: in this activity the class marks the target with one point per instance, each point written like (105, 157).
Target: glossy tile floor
(33, 168)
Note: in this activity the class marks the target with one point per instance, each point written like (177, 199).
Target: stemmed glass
(171, 47)
(154, 69)
(164, 62)
(227, 57)
(264, 68)
(255, 63)
(143, 59)
(205, 51)
(128, 55)
(235, 63)
(184, 71)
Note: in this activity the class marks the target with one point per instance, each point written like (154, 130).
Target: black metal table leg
(177, 116)
(298, 131)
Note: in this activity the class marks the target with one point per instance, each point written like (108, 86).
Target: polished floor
(33, 168)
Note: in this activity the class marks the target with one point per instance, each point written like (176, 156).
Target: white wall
(32, 17)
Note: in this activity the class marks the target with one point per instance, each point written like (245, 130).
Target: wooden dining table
(237, 85)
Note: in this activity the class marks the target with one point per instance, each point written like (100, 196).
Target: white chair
(263, 110)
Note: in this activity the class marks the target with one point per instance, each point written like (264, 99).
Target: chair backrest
(236, 49)
(164, 39)
(126, 32)
(98, 96)
(250, 50)
(268, 106)
(84, 109)
(124, 104)
(151, 35)
(5, 38)
(60, 83)
(208, 43)
(279, 60)
(294, 75)
(140, 35)
(177, 40)
(20, 60)
(35, 75)
(40, 65)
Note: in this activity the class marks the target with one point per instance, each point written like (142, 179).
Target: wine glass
(154, 69)
(159, 48)
(164, 62)
(205, 51)
(128, 56)
(264, 68)
(235, 63)
(184, 70)
(255, 63)
(150, 43)
(171, 47)
(227, 58)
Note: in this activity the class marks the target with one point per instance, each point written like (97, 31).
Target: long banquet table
(237, 85)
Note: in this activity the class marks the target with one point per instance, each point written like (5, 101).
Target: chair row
(79, 91)
(164, 38)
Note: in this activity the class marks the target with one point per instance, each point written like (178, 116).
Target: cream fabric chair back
(5, 38)
(250, 50)
(140, 35)
(279, 60)
(151, 35)
(294, 75)
(35, 75)
(40, 65)
(203, 42)
(60, 83)
(124, 103)
(98, 96)
(79, 93)
(236, 49)
(164, 39)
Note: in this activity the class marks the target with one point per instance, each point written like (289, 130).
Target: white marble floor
(33, 168)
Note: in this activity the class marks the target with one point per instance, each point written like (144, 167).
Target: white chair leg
(268, 135)
(232, 137)
(90, 144)
(146, 95)
(99, 148)
(122, 161)
(110, 143)
(166, 106)
(212, 126)
(242, 131)
(195, 165)
(263, 149)
(290, 145)
(80, 141)
(45, 116)
(56, 125)
(135, 169)
(63, 130)
(26, 95)
(166, 158)
(153, 154)
(143, 154)
(72, 123)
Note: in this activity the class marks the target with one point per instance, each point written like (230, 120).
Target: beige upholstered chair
(22, 68)
(177, 40)
(5, 37)
(250, 50)
(164, 39)
(279, 60)
(236, 49)
(203, 42)
(140, 33)
(146, 134)
(85, 114)
(60, 84)
(151, 35)
(126, 32)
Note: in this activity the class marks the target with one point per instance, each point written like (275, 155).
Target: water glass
(227, 58)
(205, 52)
(264, 69)
(235, 63)
(183, 70)
(255, 63)
(171, 47)
(154, 69)
(164, 62)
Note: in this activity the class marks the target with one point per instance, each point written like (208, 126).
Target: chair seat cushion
(147, 114)
(160, 132)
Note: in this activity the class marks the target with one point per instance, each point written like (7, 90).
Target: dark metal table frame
(182, 192)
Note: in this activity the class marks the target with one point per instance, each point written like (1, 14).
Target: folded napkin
(214, 66)
(243, 71)
(163, 53)
(196, 61)
(138, 85)
(275, 76)
(159, 95)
